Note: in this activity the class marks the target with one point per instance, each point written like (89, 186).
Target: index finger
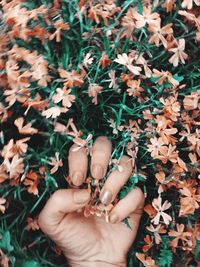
(101, 152)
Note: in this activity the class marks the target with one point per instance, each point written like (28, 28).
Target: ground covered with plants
(73, 70)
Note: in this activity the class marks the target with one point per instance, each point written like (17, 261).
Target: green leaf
(30, 264)
(166, 255)
(5, 242)
(197, 251)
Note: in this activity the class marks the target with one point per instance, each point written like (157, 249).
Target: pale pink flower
(26, 129)
(56, 163)
(2, 204)
(93, 91)
(179, 54)
(127, 61)
(160, 208)
(15, 167)
(54, 112)
(64, 96)
(87, 61)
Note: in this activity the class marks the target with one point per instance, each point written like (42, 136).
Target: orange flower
(104, 60)
(146, 260)
(179, 235)
(164, 75)
(149, 243)
(59, 26)
(150, 210)
(26, 129)
(36, 103)
(169, 5)
(179, 54)
(31, 180)
(71, 78)
(146, 18)
(189, 201)
(171, 107)
(3, 174)
(160, 176)
(64, 96)
(156, 144)
(134, 88)
(157, 204)
(191, 101)
(93, 91)
(105, 10)
(159, 33)
(32, 224)
(128, 23)
(159, 229)
(56, 163)
(167, 153)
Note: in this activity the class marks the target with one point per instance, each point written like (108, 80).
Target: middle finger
(116, 180)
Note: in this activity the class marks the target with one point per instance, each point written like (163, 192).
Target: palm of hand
(93, 239)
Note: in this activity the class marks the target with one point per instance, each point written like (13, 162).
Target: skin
(92, 241)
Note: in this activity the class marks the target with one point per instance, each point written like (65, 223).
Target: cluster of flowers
(158, 98)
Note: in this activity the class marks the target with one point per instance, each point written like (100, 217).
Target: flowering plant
(73, 70)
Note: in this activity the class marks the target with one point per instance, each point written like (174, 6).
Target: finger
(116, 180)
(78, 162)
(100, 152)
(131, 205)
(63, 201)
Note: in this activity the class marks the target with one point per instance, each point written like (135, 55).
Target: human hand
(91, 241)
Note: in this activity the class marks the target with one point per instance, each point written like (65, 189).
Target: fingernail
(113, 218)
(106, 197)
(77, 178)
(97, 171)
(81, 196)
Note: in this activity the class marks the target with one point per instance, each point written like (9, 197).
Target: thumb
(63, 201)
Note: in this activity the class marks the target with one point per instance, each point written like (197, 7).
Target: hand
(92, 241)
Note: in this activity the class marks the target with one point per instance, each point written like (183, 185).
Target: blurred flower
(32, 224)
(87, 61)
(189, 3)
(2, 204)
(54, 112)
(93, 91)
(157, 230)
(146, 260)
(179, 235)
(31, 180)
(179, 54)
(56, 163)
(64, 96)
(146, 17)
(26, 129)
(127, 61)
(159, 33)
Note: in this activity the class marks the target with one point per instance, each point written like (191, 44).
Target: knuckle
(56, 198)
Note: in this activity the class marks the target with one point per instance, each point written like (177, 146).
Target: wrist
(96, 264)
